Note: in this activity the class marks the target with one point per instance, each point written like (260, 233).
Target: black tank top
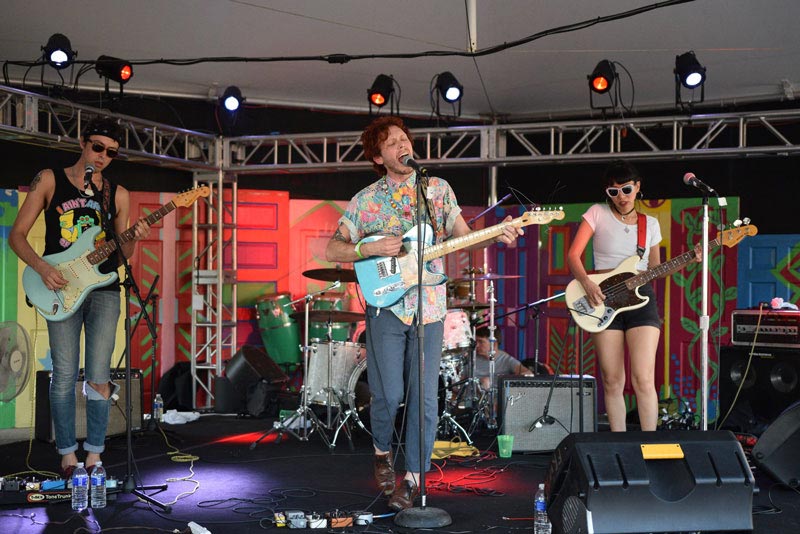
(70, 214)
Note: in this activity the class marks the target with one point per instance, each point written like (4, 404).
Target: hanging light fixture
(232, 98)
(58, 52)
(602, 77)
(115, 69)
(381, 90)
(689, 73)
(449, 88)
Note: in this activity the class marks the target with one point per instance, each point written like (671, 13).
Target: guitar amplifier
(522, 402)
(116, 418)
(769, 328)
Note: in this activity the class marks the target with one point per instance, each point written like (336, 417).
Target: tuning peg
(737, 223)
(746, 220)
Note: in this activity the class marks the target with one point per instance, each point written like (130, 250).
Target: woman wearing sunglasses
(72, 200)
(613, 228)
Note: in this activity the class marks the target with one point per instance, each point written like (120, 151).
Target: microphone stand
(424, 516)
(704, 321)
(129, 485)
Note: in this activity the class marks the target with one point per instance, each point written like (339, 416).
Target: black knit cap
(103, 126)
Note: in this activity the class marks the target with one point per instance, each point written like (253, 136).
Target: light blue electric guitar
(80, 263)
(384, 279)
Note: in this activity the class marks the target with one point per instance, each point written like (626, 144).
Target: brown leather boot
(404, 496)
(384, 472)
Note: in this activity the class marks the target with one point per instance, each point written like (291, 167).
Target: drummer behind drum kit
(335, 367)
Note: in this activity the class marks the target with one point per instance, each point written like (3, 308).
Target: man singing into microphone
(70, 207)
(388, 207)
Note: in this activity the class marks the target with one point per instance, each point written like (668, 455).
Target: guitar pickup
(386, 267)
(582, 306)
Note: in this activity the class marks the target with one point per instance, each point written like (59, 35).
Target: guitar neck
(473, 238)
(101, 253)
(666, 268)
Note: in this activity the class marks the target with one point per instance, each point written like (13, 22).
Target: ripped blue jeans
(98, 317)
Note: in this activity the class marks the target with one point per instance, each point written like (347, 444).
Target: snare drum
(279, 332)
(343, 358)
(457, 333)
(339, 331)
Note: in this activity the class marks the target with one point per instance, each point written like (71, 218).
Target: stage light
(58, 51)
(381, 91)
(114, 68)
(602, 77)
(232, 98)
(688, 71)
(448, 87)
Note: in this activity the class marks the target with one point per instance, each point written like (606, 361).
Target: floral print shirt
(388, 208)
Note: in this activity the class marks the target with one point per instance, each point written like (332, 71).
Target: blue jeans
(393, 365)
(98, 315)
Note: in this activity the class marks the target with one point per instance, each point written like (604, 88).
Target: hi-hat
(331, 275)
(334, 316)
(487, 276)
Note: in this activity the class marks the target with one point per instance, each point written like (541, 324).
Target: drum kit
(334, 366)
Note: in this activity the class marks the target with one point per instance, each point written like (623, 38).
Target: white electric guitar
(80, 265)
(621, 286)
(384, 279)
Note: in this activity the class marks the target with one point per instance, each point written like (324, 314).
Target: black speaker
(116, 418)
(777, 451)
(772, 384)
(522, 403)
(251, 364)
(672, 481)
(227, 399)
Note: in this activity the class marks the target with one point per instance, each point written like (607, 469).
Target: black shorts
(647, 315)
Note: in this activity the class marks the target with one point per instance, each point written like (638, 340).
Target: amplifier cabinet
(769, 328)
(522, 402)
(116, 419)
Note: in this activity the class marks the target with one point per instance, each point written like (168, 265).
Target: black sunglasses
(110, 152)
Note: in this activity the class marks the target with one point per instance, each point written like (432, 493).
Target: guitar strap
(642, 232)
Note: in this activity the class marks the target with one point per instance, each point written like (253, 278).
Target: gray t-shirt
(504, 364)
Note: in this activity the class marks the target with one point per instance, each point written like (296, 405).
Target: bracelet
(358, 250)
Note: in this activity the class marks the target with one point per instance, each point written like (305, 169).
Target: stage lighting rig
(58, 52)
(689, 73)
(446, 87)
(382, 92)
(231, 99)
(601, 80)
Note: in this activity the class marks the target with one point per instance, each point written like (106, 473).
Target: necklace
(624, 216)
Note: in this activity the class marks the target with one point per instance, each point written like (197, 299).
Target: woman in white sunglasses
(613, 228)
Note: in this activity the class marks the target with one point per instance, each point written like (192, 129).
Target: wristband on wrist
(358, 250)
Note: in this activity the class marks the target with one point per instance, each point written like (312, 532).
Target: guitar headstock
(187, 198)
(732, 236)
(541, 216)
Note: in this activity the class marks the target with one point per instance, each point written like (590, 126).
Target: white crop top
(615, 241)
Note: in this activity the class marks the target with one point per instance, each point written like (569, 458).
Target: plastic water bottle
(80, 488)
(158, 408)
(541, 523)
(98, 486)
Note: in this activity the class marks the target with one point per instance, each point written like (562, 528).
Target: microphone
(87, 180)
(690, 179)
(408, 161)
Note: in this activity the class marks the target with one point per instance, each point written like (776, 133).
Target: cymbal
(331, 275)
(470, 306)
(487, 276)
(334, 316)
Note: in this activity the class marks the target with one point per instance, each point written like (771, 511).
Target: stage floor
(215, 479)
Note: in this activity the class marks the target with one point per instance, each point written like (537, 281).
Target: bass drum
(358, 395)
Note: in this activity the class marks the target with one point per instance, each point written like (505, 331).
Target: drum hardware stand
(487, 409)
(304, 413)
(342, 416)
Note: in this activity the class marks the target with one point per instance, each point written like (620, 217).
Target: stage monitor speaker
(777, 451)
(44, 430)
(670, 481)
(522, 402)
(772, 384)
(251, 364)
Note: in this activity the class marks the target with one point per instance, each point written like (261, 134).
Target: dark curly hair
(375, 134)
